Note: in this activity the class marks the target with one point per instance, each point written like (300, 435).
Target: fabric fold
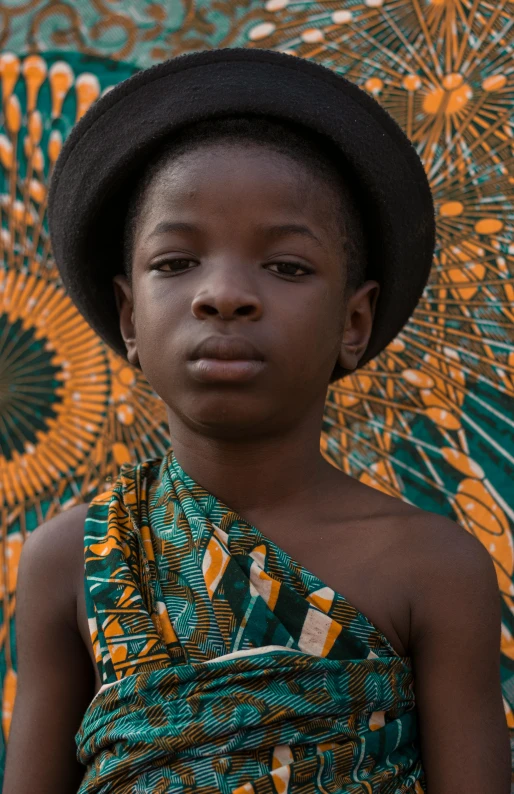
(226, 665)
(240, 710)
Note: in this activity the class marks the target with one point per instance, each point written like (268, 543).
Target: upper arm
(455, 645)
(55, 675)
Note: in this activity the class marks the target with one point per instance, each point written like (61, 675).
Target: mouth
(225, 358)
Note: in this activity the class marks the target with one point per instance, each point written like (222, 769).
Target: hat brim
(123, 128)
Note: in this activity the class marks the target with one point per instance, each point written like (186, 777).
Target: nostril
(244, 311)
(224, 308)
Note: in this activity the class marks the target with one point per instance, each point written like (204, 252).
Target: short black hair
(316, 152)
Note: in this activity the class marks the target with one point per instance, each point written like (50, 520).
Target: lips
(226, 348)
(225, 359)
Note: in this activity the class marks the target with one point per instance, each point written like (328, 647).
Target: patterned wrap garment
(225, 665)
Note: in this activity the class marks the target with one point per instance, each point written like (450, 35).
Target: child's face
(240, 244)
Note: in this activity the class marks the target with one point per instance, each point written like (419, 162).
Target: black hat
(123, 128)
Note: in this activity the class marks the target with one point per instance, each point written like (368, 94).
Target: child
(246, 227)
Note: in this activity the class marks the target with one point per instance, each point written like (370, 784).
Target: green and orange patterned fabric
(429, 421)
(226, 665)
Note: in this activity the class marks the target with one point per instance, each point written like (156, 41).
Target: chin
(227, 416)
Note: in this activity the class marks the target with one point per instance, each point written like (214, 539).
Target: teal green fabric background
(430, 421)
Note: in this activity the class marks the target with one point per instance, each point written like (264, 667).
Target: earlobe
(125, 304)
(360, 311)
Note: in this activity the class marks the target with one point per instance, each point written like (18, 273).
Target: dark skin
(253, 441)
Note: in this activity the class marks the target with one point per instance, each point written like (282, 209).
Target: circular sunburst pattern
(71, 411)
(430, 420)
(56, 387)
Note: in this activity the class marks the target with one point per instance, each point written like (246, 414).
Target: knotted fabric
(226, 665)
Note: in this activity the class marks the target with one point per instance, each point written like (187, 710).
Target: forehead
(213, 173)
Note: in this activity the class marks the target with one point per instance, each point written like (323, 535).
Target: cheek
(312, 330)
(329, 326)
(161, 315)
(158, 308)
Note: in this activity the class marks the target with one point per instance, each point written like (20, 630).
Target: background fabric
(431, 420)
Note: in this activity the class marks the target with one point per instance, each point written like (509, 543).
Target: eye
(175, 265)
(291, 269)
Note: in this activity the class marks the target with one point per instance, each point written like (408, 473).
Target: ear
(360, 311)
(125, 304)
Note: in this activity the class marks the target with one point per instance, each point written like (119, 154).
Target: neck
(254, 474)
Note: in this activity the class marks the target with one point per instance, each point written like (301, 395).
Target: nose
(228, 298)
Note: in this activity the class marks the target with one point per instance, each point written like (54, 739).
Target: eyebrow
(273, 232)
(282, 230)
(168, 226)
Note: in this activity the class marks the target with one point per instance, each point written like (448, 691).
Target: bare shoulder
(52, 559)
(433, 566)
(429, 542)
(449, 580)
(59, 538)
(439, 549)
